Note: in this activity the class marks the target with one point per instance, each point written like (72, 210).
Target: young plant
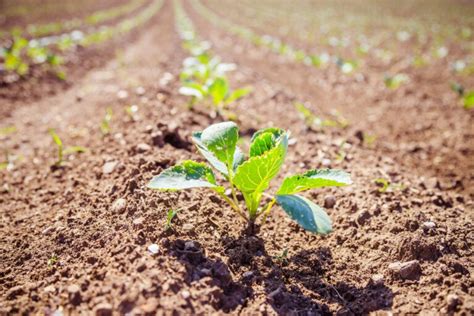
(251, 177)
(386, 186)
(64, 151)
(105, 124)
(169, 218)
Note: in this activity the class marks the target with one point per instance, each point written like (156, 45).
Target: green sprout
(394, 82)
(314, 121)
(105, 124)
(283, 257)
(386, 186)
(64, 151)
(169, 218)
(52, 260)
(251, 177)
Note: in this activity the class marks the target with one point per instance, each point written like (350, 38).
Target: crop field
(209, 157)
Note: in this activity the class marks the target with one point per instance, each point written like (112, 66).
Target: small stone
(329, 201)
(188, 227)
(377, 279)
(140, 91)
(248, 274)
(191, 246)
(428, 225)
(410, 270)
(109, 167)
(138, 222)
(363, 217)
(103, 309)
(14, 292)
(141, 267)
(326, 162)
(185, 294)
(50, 289)
(47, 230)
(143, 148)
(74, 293)
(119, 205)
(122, 94)
(453, 301)
(154, 249)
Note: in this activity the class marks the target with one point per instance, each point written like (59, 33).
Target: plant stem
(266, 210)
(233, 205)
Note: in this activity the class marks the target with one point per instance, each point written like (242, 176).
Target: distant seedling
(105, 124)
(386, 186)
(394, 82)
(467, 97)
(251, 177)
(64, 151)
(313, 121)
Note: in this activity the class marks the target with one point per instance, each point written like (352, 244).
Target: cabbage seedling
(251, 177)
(64, 151)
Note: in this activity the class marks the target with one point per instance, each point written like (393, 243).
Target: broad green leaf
(264, 140)
(218, 90)
(255, 174)
(188, 174)
(221, 140)
(216, 163)
(314, 179)
(237, 94)
(306, 213)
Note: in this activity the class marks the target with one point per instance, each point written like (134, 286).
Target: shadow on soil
(284, 279)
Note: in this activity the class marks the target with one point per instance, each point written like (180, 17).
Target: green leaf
(221, 140)
(218, 90)
(188, 174)
(212, 159)
(469, 100)
(314, 179)
(237, 94)
(55, 137)
(75, 149)
(191, 92)
(264, 140)
(306, 213)
(255, 174)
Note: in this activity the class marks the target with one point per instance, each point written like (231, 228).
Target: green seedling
(105, 124)
(283, 257)
(169, 218)
(468, 100)
(250, 177)
(53, 260)
(132, 111)
(313, 121)
(369, 140)
(394, 82)
(64, 151)
(386, 186)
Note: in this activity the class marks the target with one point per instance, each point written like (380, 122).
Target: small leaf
(218, 90)
(221, 140)
(75, 149)
(212, 159)
(55, 137)
(264, 140)
(189, 174)
(306, 213)
(314, 179)
(237, 94)
(254, 175)
(469, 100)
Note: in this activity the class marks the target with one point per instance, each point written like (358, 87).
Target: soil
(75, 239)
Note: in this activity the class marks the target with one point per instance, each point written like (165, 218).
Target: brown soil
(75, 239)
